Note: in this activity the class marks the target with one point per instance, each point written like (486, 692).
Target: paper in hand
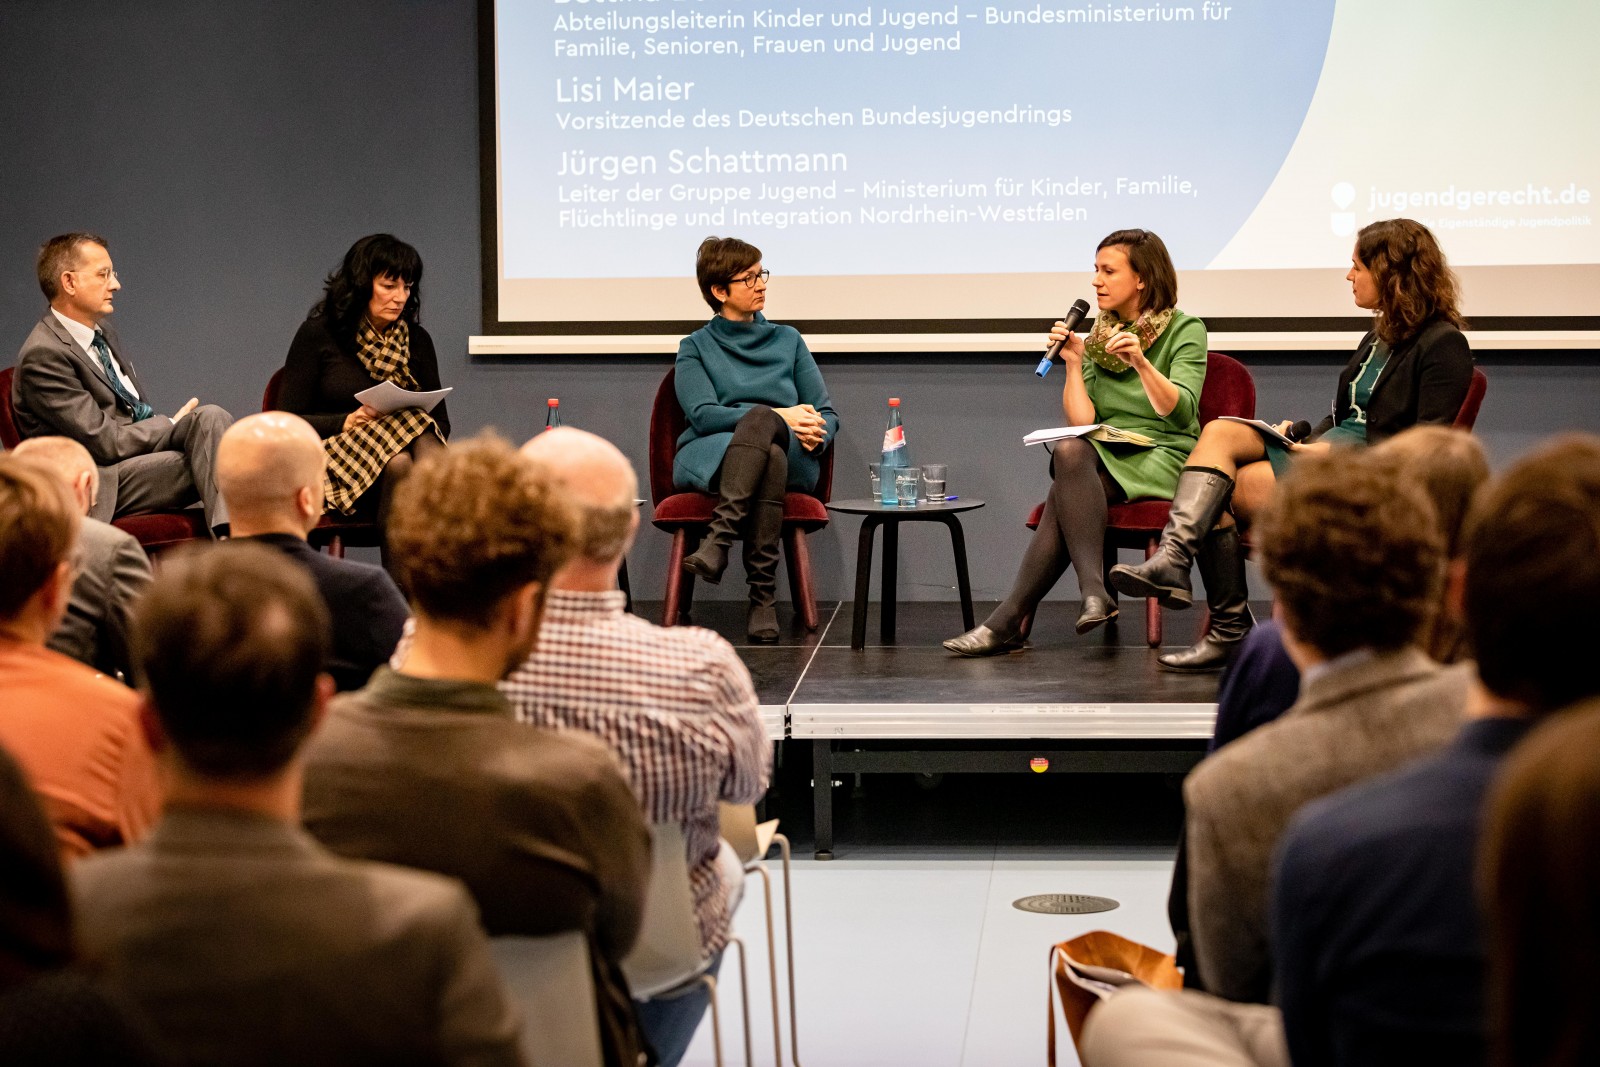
(386, 398)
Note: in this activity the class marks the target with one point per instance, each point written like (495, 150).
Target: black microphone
(1299, 431)
(1070, 320)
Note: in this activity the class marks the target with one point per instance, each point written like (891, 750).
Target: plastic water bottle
(895, 454)
(552, 417)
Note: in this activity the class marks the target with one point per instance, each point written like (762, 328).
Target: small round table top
(869, 506)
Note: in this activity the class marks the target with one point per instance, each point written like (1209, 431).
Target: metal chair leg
(744, 1000)
(788, 923)
(716, 1019)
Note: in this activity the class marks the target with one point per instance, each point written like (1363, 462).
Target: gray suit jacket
(1349, 724)
(112, 571)
(242, 941)
(59, 389)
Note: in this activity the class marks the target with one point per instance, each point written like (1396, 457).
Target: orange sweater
(76, 735)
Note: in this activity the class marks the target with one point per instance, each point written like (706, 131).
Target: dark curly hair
(1415, 284)
(348, 288)
(473, 524)
(1352, 547)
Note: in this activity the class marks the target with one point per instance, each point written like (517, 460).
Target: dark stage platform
(1091, 704)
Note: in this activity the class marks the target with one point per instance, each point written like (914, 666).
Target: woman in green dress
(1141, 369)
(1412, 367)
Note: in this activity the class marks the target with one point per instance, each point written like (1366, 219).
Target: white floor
(918, 957)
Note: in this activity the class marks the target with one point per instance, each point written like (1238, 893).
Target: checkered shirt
(675, 704)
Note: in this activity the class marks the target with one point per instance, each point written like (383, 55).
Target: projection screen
(936, 175)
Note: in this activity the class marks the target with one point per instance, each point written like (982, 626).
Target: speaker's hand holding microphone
(1061, 337)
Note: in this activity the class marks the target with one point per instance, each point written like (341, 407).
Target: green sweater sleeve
(1187, 369)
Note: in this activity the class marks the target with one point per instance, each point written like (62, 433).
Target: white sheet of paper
(1060, 433)
(386, 398)
(1265, 429)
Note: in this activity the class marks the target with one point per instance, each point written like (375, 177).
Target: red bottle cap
(894, 401)
(552, 403)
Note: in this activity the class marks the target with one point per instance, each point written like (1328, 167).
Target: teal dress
(724, 369)
(1351, 431)
(1119, 400)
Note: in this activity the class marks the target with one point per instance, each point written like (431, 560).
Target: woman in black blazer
(364, 331)
(1412, 367)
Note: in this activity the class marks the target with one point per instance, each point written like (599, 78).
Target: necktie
(136, 407)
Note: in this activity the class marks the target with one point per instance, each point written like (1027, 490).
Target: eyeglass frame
(105, 274)
(749, 282)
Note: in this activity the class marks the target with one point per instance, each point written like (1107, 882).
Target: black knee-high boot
(763, 532)
(739, 481)
(1198, 502)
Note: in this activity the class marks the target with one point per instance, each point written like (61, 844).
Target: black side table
(889, 516)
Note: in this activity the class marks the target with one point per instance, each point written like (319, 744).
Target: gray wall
(231, 152)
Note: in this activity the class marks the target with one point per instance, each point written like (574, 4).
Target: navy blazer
(365, 605)
(1425, 380)
(1376, 942)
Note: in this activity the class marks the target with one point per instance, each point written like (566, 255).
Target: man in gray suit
(73, 379)
(237, 937)
(1356, 559)
(112, 569)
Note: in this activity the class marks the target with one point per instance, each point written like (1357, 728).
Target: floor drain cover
(1064, 904)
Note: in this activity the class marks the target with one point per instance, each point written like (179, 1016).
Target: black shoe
(1096, 610)
(982, 641)
(762, 624)
(1221, 563)
(1206, 655)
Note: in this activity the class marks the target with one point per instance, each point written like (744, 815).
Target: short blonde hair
(63, 456)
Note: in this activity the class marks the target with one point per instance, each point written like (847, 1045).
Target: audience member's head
(35, 919)
(68, 461)
(599, 486)
(1451, 466)
(1532, 552)
(38, 534)
(230, 642)
(476, 534)
(1539, 870)
(269, 470)
(1353, 550)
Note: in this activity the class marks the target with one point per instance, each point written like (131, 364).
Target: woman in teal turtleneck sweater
(759, 418)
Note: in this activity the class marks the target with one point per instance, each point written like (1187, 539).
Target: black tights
(1072, 529)
(397, 470)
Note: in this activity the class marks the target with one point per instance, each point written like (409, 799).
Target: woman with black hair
(364, 331)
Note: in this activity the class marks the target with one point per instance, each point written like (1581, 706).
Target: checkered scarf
(356, 457)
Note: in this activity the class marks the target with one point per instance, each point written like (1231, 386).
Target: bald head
(68, 461)
(598, 481)
(269, 470)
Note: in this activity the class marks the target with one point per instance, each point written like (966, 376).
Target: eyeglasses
(105, 274)
(751, 279)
